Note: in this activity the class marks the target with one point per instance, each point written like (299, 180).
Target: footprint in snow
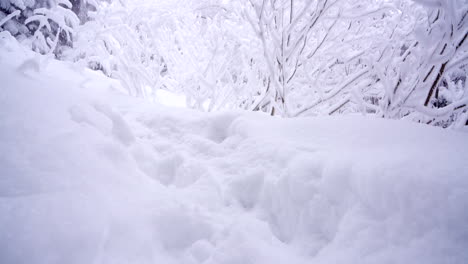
(115, 125)
(120, 129)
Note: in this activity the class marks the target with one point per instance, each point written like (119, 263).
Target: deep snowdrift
(89, 175)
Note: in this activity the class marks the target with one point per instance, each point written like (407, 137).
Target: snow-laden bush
(422, 71)
(194, 48)
(120, 41)
(212, 59)
(444, 68)
(393, 59)
(44, 25)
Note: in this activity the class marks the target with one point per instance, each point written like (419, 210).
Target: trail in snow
(90, 175)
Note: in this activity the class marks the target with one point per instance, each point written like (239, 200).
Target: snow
(91, 175)
(170, 99)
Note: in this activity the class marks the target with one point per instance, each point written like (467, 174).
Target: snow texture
(91, 175)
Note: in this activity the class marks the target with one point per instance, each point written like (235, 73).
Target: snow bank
(90, 175)
(358, 190)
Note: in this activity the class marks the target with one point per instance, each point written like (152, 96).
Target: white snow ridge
(89, 175)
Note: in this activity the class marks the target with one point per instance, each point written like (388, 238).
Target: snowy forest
(233, 131)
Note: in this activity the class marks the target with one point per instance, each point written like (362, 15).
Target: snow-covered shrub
(445, 68)
(44, 25)
(194, 48)
(120, 42)
(423, 71)
(315, 50)
(52, 25)
(12, 16)
(390, 58)
(212, 59)
(395, 59)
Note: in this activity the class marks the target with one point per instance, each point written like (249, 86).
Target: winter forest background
(397, 59)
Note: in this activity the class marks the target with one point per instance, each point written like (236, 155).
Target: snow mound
(90, 175)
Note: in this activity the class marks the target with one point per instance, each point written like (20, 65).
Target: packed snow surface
(91, 175)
